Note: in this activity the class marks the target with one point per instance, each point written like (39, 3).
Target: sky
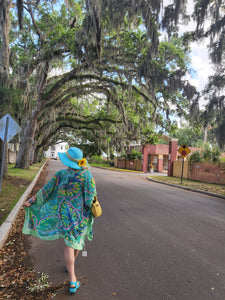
(201, 65)
(200, 62)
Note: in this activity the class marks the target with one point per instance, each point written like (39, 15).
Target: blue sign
(8, 128)
(13, 128)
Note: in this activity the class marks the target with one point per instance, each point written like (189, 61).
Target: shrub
(122, 156)
(95, 159)
(216, 155)
(209, 154)
(195, 157)
(112, 156)
(135, 155)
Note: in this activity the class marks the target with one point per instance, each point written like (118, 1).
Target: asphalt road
(153, 242)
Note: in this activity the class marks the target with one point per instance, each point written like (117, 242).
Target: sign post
(184, 151)
(3, 152)
(8, 128)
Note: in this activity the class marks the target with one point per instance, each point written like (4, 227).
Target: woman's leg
(76, 252)
(70, 255)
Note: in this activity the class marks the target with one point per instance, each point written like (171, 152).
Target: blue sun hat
(73, 158)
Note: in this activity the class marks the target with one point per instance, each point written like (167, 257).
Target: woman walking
(62, 209)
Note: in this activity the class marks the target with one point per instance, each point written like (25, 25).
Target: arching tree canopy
(115, 78)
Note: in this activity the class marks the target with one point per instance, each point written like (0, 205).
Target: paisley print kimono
(63, 209)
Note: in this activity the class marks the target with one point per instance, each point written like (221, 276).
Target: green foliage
(96, 159)
(195, 157)
(88, 149)
(208, 154)
(118, 81)
(135, 155)
(173, 128)
(150, 137)
(188, 135)
(122, 155)
(11, 101)
(162, 142)
(174, 52)
(112, 156)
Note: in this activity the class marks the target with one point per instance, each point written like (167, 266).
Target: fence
(205, 172)
(177, 168)
(131, 164)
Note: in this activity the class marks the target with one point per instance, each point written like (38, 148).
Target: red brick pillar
(160, 163)
(172, 155)
(145, 159)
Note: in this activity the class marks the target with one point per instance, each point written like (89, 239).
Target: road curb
(6, 226)
(188, 189)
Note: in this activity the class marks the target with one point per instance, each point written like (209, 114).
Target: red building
(159, 156)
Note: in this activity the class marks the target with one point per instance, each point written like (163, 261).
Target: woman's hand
(30, 201)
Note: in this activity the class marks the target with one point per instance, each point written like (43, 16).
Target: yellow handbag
(96, 208)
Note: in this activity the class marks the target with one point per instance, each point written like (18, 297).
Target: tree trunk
(24, 155)
(37, 155)
(4, 64)
(27, 139)
(5, 26)
(32, 152)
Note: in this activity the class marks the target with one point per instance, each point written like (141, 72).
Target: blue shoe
(74, 286)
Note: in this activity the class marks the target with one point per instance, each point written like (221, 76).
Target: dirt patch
(16, 181)
(18, 278)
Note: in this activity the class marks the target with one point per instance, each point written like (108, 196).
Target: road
(153, 242)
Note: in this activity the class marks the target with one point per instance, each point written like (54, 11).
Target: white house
(53, 150)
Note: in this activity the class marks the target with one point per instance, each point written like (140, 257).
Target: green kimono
(63, 209)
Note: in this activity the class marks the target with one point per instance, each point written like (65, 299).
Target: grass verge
(218, 189)
(13, 187)
(107, 166)
(103, 165)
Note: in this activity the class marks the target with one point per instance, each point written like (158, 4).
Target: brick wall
(206, 172)
(172, 155)
(145, 158)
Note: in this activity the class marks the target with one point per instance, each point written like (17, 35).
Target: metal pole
(182, 170)
(3, 152)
